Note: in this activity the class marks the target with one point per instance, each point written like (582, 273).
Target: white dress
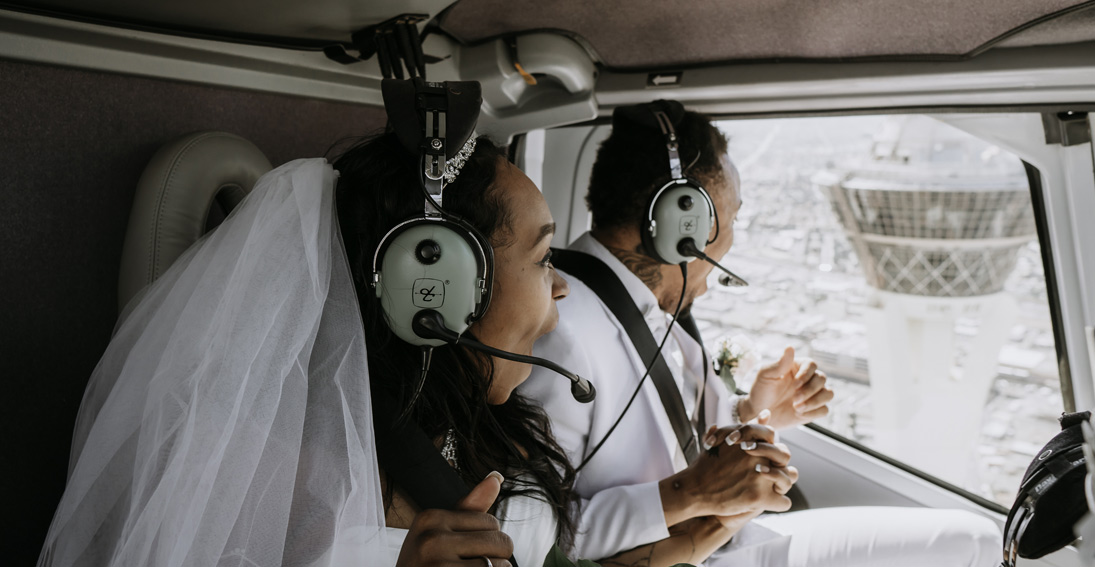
(528, 521)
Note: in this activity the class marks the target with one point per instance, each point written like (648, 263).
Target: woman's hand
(459, 538)
(734, 524)
(689, 542)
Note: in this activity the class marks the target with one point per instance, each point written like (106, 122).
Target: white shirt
(621, 505)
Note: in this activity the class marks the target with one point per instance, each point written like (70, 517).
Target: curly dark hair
(377, 189)
(632, 163)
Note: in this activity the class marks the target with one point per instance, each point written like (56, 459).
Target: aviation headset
(1051, 495)
(435, 262)
(681, 209)
(434, 273)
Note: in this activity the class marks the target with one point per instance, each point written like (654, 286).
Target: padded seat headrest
(188, 187)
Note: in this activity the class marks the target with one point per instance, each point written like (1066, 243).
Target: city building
(937, 233)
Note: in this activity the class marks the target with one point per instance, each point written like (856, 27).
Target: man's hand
(745, 471)
(794, 391)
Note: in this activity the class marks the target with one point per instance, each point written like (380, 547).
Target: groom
(645, 478)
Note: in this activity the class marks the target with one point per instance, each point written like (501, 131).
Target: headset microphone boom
(429, 324)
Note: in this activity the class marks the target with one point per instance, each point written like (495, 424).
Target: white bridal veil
(229, 421)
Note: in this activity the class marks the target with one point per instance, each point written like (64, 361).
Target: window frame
(1041, 224)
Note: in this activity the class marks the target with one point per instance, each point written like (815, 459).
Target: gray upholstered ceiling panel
(314, 20)
(660, 33)
(1074, 27)
(631, 34)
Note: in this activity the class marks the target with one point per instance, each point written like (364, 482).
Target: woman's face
(526, 287)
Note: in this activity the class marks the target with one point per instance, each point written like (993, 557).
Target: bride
(467, 402)
(230, 421)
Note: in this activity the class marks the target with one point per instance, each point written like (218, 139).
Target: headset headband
(670, 143)
(435, 262)
(436, 121)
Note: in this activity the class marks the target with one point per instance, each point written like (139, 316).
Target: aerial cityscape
(809, 289)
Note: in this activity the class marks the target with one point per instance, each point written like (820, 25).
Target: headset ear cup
(431, 264)
(485, 260)
(649, 229)
(680, 209)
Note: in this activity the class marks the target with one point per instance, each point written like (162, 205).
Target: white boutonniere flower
(734, 358)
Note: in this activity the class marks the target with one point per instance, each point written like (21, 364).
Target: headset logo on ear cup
(428, 293)
(668, 222)
(435, 264)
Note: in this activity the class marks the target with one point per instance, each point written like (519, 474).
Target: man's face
(727, 198)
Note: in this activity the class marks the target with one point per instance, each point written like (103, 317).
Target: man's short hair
(633, 162)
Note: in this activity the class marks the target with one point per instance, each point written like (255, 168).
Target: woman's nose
(559, 286)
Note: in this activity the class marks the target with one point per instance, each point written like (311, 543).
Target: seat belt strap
(688, 323)
(408, 456)
(603, 281)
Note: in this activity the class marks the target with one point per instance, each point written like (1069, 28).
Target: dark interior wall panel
(72, 145)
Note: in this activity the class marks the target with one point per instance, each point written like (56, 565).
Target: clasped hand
(744, 473)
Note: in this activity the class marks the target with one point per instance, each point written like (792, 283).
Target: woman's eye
(546, 262)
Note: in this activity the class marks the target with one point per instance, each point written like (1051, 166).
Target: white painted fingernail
(748, 445)
(764, 414)
(733, 437)
(762, 468)
(497, 475)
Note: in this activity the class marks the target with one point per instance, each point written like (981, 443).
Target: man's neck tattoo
(646, 268)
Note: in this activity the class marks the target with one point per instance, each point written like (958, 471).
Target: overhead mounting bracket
(1069, 128)
(396, 44)
(532, 81)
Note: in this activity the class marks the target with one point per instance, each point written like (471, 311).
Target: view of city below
(809, 290)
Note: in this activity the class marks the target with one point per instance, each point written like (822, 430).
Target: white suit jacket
(621, 506)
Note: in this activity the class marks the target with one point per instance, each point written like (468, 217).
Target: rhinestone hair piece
(454, 165)
(448, 449)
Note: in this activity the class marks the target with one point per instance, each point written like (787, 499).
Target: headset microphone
(429, 324)
(687, 247)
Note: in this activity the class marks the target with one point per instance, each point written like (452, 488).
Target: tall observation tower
(936, 218)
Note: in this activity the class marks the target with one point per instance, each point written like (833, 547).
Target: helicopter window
(901, 254)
